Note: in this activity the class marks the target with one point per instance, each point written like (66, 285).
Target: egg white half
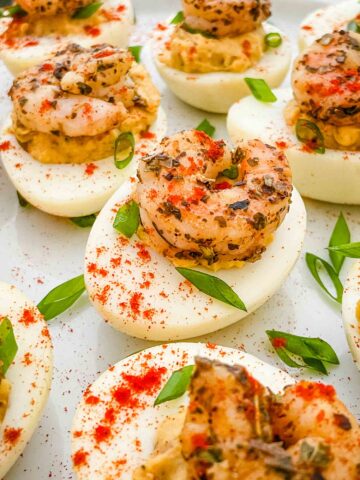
(30, 374)
(66, 190)
(134, 432)
(327, 20)
(216, 92)
(351, 298)
(114, 32)
(331, 177)
(142, 294)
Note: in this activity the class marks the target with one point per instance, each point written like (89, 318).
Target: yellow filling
(4, 397)
(195, 53)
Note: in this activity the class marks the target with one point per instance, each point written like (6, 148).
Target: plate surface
(37, 252)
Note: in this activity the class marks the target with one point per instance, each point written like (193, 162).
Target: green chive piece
(195, 31)
(176, 386)
(179, 17)
(12, 11)
(62, 297)
(273, 40)
(309, 133)
(314, 264)
(85, 221)
(124, 150)
(340, 236)
(261, 90)
(353, 26)
(22, 201)
(8, 345)
(232, 172)
(127, 219)
(315, 353)
(87, 11)
(350, 250)
(205, 126)
(213, 286)
(135, 51)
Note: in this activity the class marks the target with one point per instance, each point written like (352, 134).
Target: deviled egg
(199, 204)
(25, 372)
(318, 125)
(340, 16)
(351, 311)
(206, 56)
(31, 30)
(80, 121)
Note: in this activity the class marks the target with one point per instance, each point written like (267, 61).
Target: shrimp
(225, 17)
(191, 211)
(52, 7)
(326, 79)
(77, 92)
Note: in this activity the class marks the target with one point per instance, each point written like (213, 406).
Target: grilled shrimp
(326, 79)
(191, 211)
(77, 92)
(51, 7)
(225, 17)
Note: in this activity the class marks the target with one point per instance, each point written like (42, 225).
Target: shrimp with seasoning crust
(51, 7)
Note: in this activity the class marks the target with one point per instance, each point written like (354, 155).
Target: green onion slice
(85, 221)
(232, 172)
(176, 386)
(340, 236)
(22, 201)
(8, 345)
(353, 26)
(314, 264)
(179, 17)
(273, 40)
(124, 150)
(261, 90)
(12, 11)
(350, 250)
(205, 126)
(135, 51)
(127, 219)
(309, 133)
(87, 11)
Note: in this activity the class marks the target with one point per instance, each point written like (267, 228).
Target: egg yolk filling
(4, 397)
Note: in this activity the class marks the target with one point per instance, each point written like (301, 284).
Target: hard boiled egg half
(326, 20)
(111, 437)
(351, 311)
(139, 292)
(29, 375)
(331, 177)
(69, 190)
(113, 25)
(216, 92)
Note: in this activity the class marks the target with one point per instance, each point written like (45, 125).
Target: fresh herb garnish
(309, 133)
(176, 386)
(127, 219)
(213, 286)
(273, 40)
(314, 352)
(12, 11)
(124, 150)
(317, 456)
(195, 31)
(8, 345)
(135, 51)
(350, 250)
(232, 172)
(261, 90)
(85, 221)
(205, 126)
(340, 236)
(87, 11)
(62, 297)
(314, 264)
(353, 26)
(179, 17)
(22, 201)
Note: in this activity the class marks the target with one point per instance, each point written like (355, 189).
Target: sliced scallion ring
(273, 40)
(87, 11)
(261, 90)
(353, 26)
(12, 11)
(309, 133)
(124, 150)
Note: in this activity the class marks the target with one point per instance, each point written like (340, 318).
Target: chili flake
(12, 435)
(90, 168)
(311, 390)
(80, 458)
(279, 342)
(28, 317)
(5, 146)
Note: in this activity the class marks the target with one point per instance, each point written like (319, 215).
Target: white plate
(38, 252)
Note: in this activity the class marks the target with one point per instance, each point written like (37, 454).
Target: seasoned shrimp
(326, 79)
(190, 211)
(51, 7)
(225, 17)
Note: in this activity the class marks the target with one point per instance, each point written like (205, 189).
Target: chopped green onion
(13, 11)
(205, 126)
(213, 286)
(232, 172)
(309, 133)
(85, 221)
(87, 11)
(127, 219)
(8, 345)
(261, 90)
(314, 262)
(350, 250)
(124, 150)
(353, 26)
(136, 52)
(179, 17)
(273, 40)
(340, 236)
(195, 31)
(62, 297)
(22, 201)
(176, 386)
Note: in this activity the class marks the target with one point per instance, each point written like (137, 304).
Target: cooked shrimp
(326, 79)
(225, 17)
(190, 211)
(51, 7)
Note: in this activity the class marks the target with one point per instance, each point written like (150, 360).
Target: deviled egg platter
(351, 311)
(25, 372)
(80, 122)
(317, 124)
(203, 237)
(341, 16)
(31, 30)
(207, 51)
(193, 411)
